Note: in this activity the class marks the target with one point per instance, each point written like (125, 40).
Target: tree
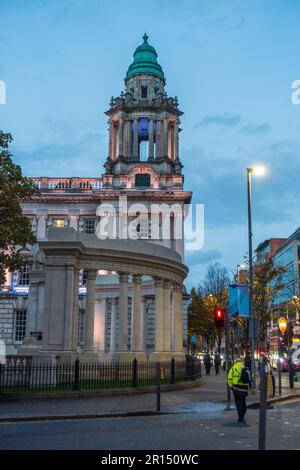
(15, 228)
(201, 318)
(268, 282)
(212, 292)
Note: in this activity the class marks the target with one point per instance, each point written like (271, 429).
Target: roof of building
(145, 61)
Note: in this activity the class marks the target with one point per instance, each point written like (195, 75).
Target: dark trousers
(217, 369)
(240, 403)
(291, 377)
(207, 368)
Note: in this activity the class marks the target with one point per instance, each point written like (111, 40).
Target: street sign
(282, 324)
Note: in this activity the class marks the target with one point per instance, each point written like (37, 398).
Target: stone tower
(143, 129)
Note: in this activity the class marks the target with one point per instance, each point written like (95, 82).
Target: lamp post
(257, 171)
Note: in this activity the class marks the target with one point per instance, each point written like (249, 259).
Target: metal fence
(27, 375)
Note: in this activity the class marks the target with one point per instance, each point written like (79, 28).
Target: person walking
(207, 363)
(292, 370)
(217, 362)
(239, 380)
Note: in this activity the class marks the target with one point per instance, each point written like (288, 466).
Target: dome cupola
(145, 61)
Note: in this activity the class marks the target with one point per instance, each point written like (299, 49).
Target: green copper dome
(145, 61)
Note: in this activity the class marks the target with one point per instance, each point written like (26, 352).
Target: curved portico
(67, 251)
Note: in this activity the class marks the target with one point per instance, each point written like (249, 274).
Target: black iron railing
(27, 375)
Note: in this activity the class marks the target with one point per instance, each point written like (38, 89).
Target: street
(198, 426)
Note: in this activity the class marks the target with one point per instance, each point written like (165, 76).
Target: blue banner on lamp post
(238, 300)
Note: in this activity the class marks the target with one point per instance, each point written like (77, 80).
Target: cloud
(203, 257)
(254, 128)
(224, 120)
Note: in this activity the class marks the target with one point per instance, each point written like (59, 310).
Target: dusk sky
(231, 63)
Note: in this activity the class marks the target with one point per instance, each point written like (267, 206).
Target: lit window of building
(58, 223)
(23, 276)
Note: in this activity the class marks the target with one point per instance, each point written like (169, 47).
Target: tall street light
(257, 171)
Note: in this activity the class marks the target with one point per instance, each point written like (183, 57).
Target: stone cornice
(167, 195)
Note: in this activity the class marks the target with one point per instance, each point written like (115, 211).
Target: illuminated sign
(282, 324)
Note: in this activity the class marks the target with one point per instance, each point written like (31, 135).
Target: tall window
(144, 150)
(144, 91)
(58, 223)
(20, 325)
(81, 324)
(23, 276)
(89, 226)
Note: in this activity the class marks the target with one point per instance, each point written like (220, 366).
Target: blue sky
(231, 64)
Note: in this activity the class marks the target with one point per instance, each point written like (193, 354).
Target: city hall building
(120, 297)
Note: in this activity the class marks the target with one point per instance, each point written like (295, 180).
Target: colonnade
(168, 318)
(162, 136)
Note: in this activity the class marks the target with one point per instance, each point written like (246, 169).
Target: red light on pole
(219, 316)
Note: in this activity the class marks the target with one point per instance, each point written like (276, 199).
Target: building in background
(143, 164)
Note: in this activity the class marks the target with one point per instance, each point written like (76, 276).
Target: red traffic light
(219, 317)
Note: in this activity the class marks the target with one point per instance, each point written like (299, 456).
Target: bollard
(158, 386)
(262, 408)
(76, 386)
(134, 373)
(173, 371)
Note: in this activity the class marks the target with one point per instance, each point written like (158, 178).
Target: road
(204, 425)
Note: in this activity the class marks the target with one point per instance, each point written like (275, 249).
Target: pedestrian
(207, 363)
(217, 363)
(292, 370)
(239, 380)
(247, 360)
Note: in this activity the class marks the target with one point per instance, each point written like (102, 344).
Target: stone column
(144, 322)
(41, 227)
(89, 311)
(135, 139)
(113, 325)
(176, 141)
(151, 139)
(136, 319)
(177, 319)
(58, 323)
(158, 139)
(123, 313)
(166, 137)
(110, 145)
(167, 316)
(121, 132)
(126, 144)
(76, 308)
(157, 354)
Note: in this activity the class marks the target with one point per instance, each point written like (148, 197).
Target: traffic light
(219, 316)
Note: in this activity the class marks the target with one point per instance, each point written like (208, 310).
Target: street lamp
(257, 171)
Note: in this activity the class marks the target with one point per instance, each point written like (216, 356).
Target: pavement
(211, 391)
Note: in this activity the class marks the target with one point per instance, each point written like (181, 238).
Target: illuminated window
(20, 325)
(23, 276)
(144, 150)
(58, 223)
